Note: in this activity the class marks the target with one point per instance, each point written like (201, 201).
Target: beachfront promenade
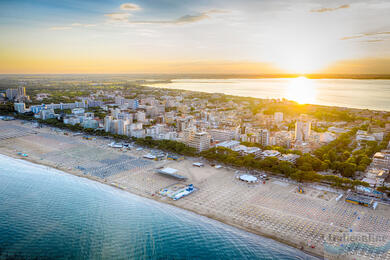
(274, 209)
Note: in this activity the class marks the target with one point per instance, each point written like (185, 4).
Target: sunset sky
(187, 36)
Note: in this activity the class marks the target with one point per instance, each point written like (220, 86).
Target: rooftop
(248, 178)
(359, 199)
(172, 173)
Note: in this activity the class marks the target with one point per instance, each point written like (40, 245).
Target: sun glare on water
(301, 90)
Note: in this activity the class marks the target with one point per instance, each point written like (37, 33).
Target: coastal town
(274, 167)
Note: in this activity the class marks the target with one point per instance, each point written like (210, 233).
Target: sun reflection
(301, 90)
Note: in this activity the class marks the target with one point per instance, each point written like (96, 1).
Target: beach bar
(359, 200)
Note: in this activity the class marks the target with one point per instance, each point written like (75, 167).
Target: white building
(78, 111)
(21, 91)
(154, 131)
(47, 114)
(245, 150)
(107, 123)
(364, 136)
(278, 117)
(137, 133)
(141, 116)
(20, 107)
(289, 157)
(221, 134)
(338, 130)
(264, 137)
(282, 138)
(376, 177)
(119, 100)
(90, 123)
(381, 160)
(41, 96)
(327, 137)
(89, 115)
(167, 136)
(122, 126)
(302, 130)
(72, 120)
(270, 153)
(228, 144)
(200, 141)
(11, 93)
(378, 136)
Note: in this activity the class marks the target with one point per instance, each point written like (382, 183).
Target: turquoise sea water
(354, 93)
(48, 214)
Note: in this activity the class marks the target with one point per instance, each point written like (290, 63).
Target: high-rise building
(141, 116)
(11, 93)
(21, 91)
(302, 130)
(281, 138)
(133, 103)
(107, 123)
(200, 141)
(134, 127)
(122, 126)
(126, 116)
(278, 117)
(263, 137)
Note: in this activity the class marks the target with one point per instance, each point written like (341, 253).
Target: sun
(301, 90)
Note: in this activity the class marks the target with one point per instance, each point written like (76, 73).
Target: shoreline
(274, 210)
(143, 195)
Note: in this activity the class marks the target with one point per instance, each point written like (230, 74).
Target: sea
(353, 93)
(49, 214)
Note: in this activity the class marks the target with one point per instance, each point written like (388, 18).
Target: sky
(186, 36)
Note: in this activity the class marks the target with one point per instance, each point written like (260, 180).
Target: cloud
(127, 9)
(118, 16)
(372, 34)
(130, 7)
(181, 20)
(378, 40)
(83, 25)
(71, 26)
(60, 28)
(322, 10)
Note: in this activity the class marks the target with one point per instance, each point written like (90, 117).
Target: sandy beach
(275, 209)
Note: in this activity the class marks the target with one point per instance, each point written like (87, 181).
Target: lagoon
(352, 93)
